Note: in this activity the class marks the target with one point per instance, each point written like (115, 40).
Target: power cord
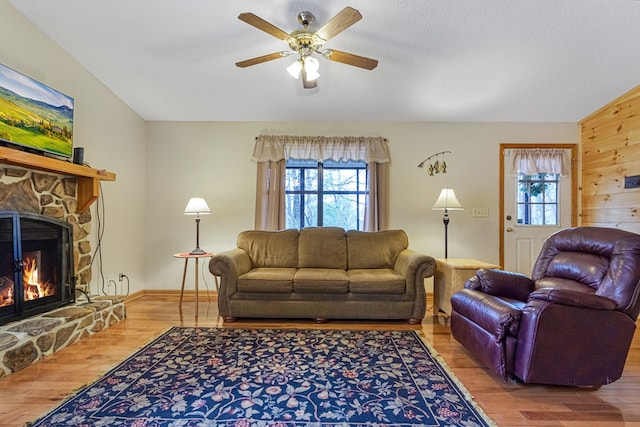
(97, 253)
(204, 280)
(122, 275)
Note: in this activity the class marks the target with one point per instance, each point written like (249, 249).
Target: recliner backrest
(598, 260)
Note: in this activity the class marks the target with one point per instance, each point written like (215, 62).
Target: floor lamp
(446, 202)
(197, 206)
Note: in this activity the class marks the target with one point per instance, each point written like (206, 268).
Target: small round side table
(187, 256)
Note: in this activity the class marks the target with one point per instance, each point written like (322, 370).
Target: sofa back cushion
(322, 247)
(270, 248)
(375, 249)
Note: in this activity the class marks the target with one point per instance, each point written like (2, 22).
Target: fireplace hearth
(36, 265)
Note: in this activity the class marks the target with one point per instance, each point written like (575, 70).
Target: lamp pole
(445, 220)
(197, 250)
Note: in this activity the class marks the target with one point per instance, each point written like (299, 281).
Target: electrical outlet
(480, 212)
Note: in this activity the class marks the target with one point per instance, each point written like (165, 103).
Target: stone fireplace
(52, 196)
(49, 201)
(36, 265)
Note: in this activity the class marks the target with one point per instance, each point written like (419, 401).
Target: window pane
(310, 210)
(292, 210)
(362, 180)
(537, 199)
(341, 189)
(550, 214)
(293, 180)
(537, 215)
(341, 210)
(311, 179)
(340, 180)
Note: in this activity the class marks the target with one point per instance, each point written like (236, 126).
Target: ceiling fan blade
(343, 20)
(263, 25)
(351, 59)
(261, 59)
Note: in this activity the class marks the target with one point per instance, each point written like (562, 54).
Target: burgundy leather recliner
(570, 323)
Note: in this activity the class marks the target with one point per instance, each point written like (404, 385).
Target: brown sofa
(322, 273)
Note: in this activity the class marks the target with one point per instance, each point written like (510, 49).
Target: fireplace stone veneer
(34, 184)
(27, 341)
(30, 191)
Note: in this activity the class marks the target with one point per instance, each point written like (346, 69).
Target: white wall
(213, 160)
(111, 133)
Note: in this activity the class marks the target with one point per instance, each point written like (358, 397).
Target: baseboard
(173, 293)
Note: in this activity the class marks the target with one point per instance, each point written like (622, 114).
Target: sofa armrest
(229, 265)
(573, 298)
(414, 266)
(502, 283)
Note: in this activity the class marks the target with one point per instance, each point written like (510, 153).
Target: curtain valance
(278, 147)
(539, 160)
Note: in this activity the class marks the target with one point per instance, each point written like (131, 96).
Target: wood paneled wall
(611, 152)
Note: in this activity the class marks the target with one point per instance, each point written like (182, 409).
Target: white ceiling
(439, 60)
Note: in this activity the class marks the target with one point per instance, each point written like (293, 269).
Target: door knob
(509, 229)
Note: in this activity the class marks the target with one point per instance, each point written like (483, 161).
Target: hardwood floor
(31, 392)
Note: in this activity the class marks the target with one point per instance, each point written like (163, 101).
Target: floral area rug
(201, 377)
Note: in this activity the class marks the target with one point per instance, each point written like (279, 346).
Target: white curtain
(277, 147)
(272, 151)
(539, 160)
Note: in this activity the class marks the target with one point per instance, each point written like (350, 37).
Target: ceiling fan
(306, 42)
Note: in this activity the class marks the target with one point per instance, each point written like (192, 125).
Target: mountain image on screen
(34, 116)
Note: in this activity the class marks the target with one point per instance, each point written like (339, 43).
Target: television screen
(34, 116)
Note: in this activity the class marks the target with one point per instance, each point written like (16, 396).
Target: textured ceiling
(439, 60)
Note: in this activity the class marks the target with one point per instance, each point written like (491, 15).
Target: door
(533, 207)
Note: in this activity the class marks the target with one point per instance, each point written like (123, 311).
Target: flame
(8, 298)
(33, 288)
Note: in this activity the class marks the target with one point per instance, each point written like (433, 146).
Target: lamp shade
(295, 68)
(311, 66)
(197, 206)
(447, 201)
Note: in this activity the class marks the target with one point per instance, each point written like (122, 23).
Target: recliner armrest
(573, 298)
(491, 313)
(501, 283)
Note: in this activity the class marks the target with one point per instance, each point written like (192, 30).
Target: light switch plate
(480, 212)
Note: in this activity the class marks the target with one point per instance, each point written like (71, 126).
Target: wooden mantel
(88, 178)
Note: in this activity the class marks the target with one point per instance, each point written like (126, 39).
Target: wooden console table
(451, 275)
(88, 178)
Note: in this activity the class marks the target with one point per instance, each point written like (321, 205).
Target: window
(537, 199)
(329, 193)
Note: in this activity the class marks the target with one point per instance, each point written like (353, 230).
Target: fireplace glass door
(36, 261)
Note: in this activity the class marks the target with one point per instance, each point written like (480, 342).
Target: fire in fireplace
(36, 265)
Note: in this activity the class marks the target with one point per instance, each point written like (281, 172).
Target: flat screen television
(34, 116)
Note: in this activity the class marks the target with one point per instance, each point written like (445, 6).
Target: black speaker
(78, 155)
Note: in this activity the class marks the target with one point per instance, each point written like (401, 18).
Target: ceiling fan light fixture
(306, 42)
(295, 68)
(311, 66)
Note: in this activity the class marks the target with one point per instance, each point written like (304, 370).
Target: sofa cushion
(274, 280)
(376, 281)
(322, 247)
(321, 281)
(375, 249)
(270, 248)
